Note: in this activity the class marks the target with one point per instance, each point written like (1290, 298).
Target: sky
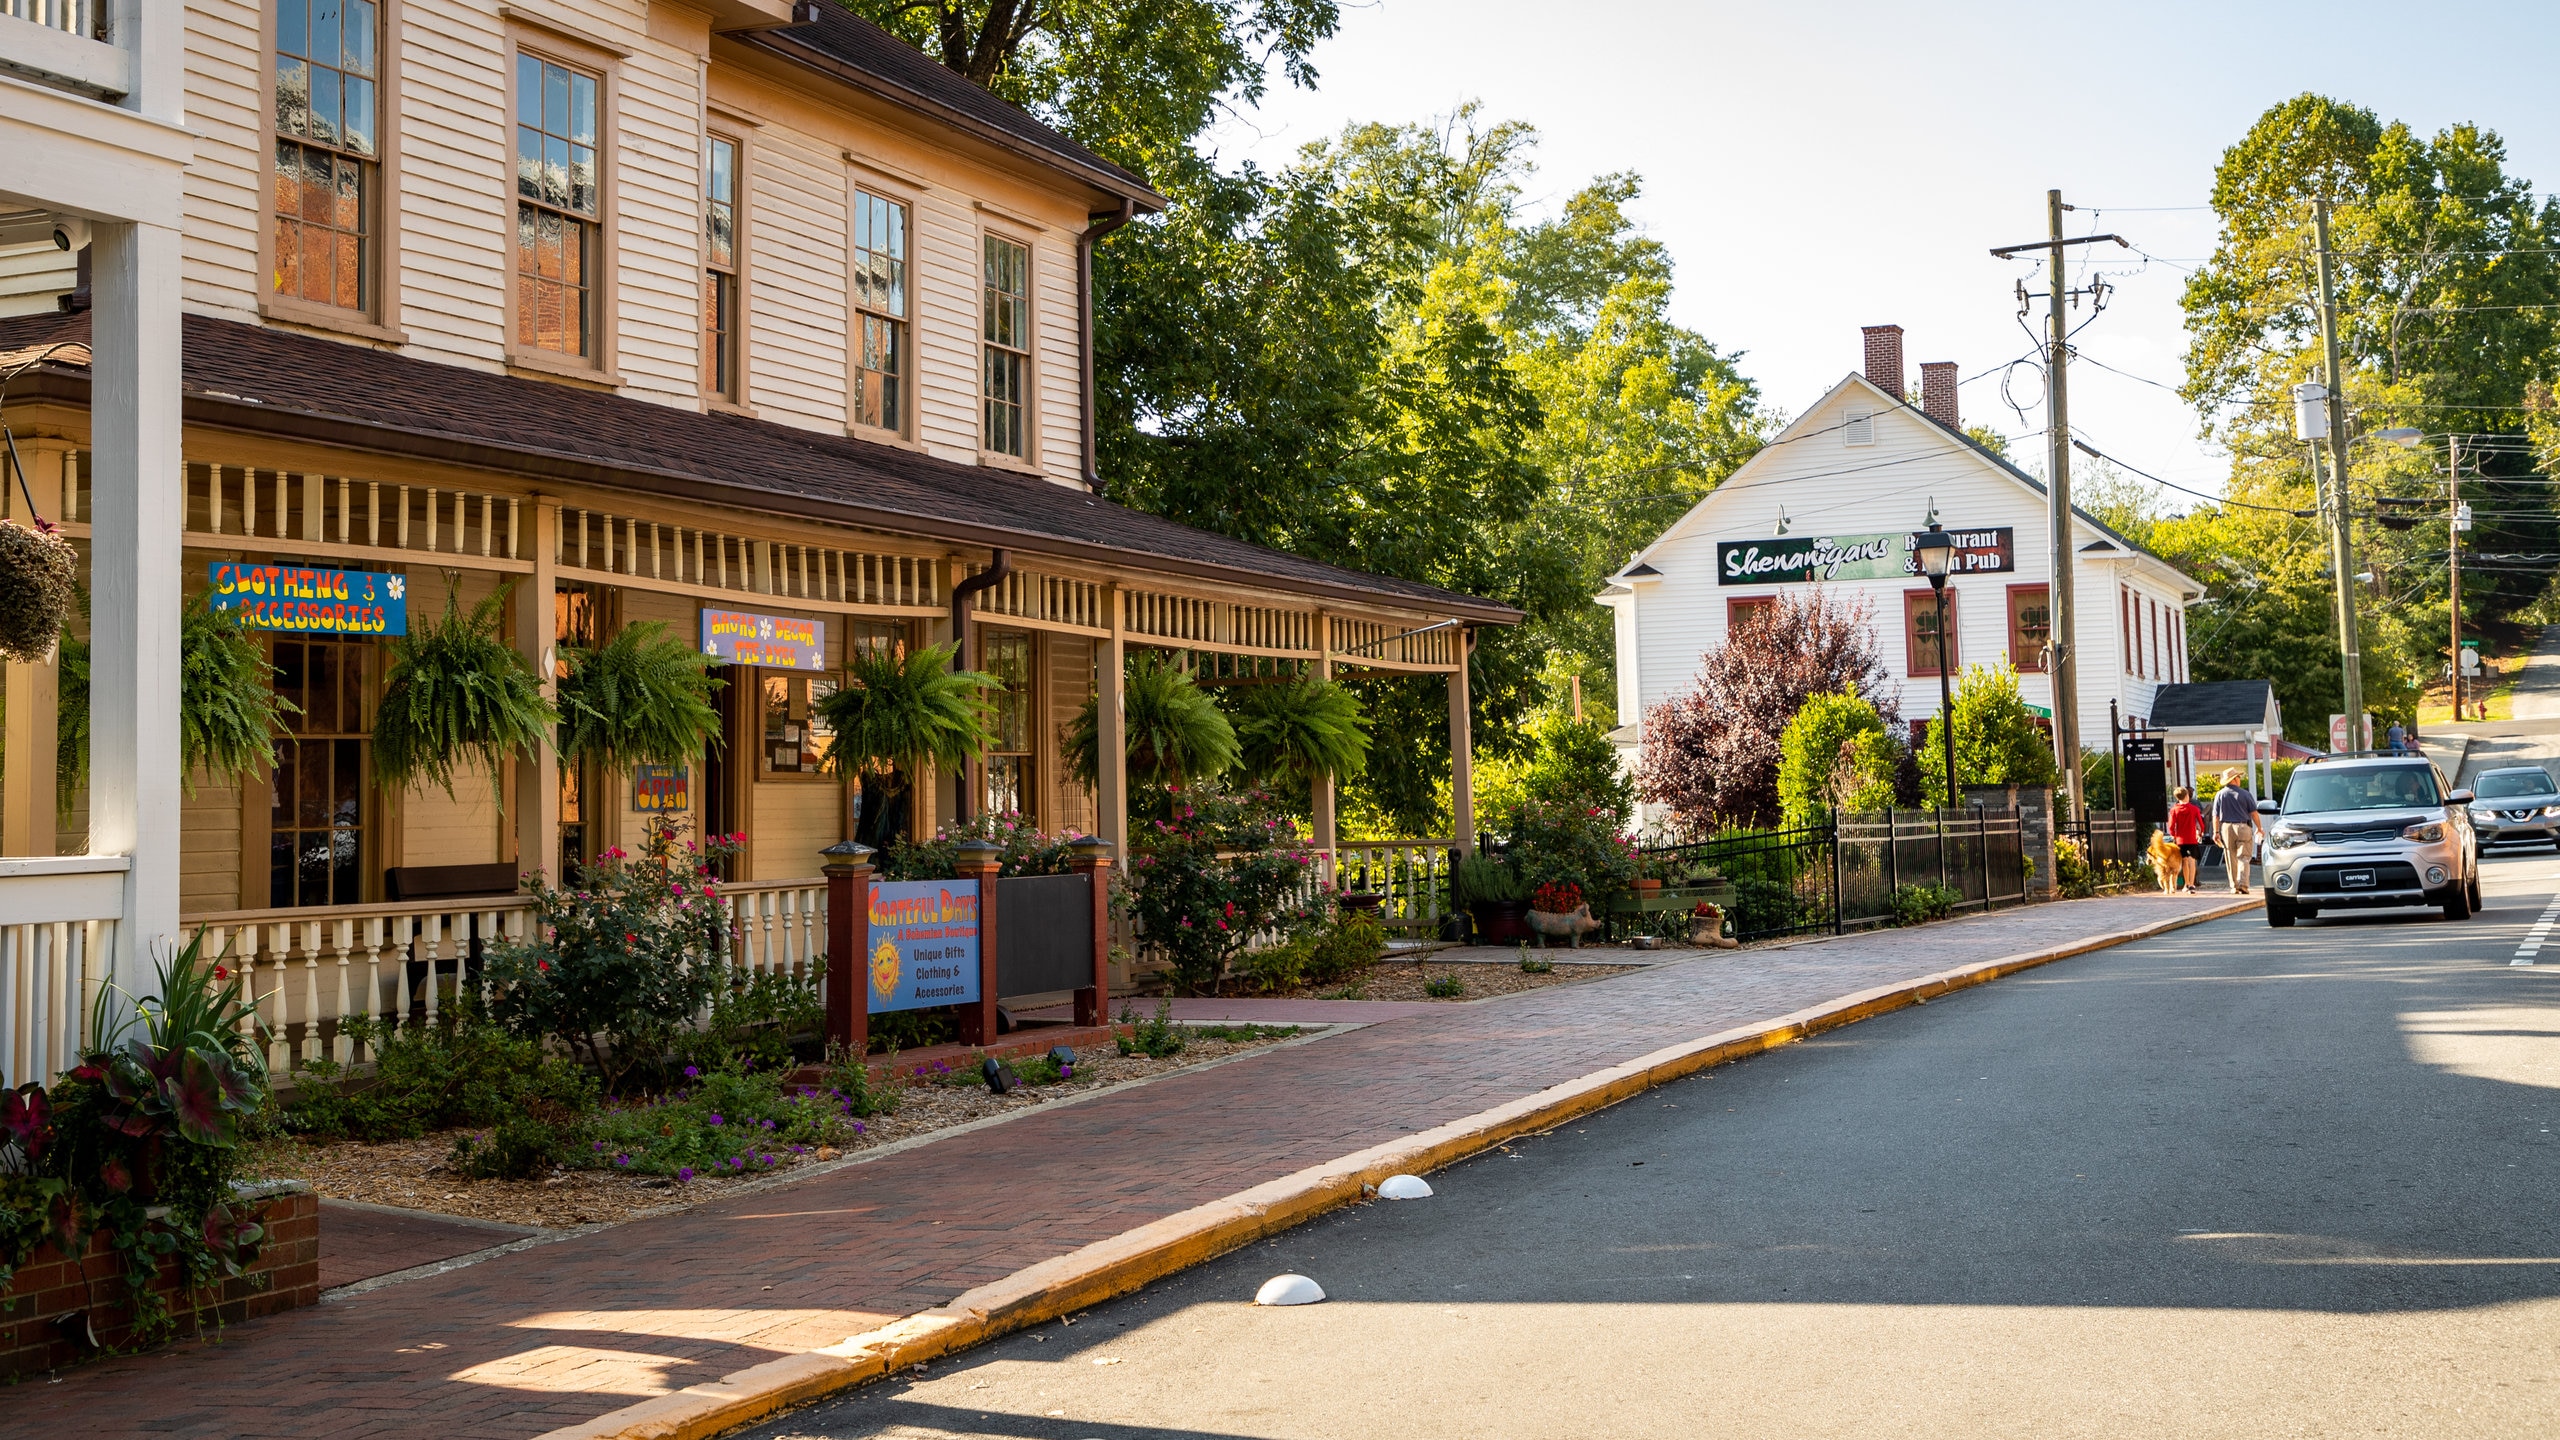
(1822, 165)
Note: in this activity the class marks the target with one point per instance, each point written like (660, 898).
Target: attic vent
(1861, 430)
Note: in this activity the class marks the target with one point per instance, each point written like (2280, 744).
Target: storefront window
(2030, 625)
(795, 735)
(318, 811)
(1008, 765)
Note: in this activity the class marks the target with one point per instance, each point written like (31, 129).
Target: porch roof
(283, 384)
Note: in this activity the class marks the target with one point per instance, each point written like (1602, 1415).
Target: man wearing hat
(2236, 825)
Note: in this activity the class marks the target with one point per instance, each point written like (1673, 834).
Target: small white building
(1835, 501)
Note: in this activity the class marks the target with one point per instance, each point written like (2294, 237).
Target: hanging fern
(1300, 730)
(456, 696)
(1176, 732)
(642, 697)
(229, 713)
(905, 710)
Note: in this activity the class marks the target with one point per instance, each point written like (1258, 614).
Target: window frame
(379, 318)
(1028, 350)
(734, 397)
(798, 680)
(2028, 661)
(1736, 607)
(560, 48)
(865, 184)
(1032, 696)
(1913, 666)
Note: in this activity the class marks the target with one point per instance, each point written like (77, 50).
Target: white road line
(2541, 932)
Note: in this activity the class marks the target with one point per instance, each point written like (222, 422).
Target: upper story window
(559, 207)
(2030, 626)
(880, 312)
(327, 160)
(1008, 343)
(720, 270)
(1920, 639)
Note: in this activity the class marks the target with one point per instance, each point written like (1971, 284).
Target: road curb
(1124, 1262)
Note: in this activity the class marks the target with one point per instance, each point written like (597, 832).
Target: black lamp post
(1936, 549)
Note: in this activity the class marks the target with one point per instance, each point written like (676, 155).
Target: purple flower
(693, 1072)
(622, 1160)
(857, 1127)
(716, 1120)
(685, 1174)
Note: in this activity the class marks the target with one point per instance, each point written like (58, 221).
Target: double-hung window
(879, 312)
(1008, 343)
(559, 207)
(720, 269)
(328, 155)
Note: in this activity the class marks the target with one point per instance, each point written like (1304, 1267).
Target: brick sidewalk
(560, 1333)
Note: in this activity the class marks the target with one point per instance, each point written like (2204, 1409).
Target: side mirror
(2269, 807)
(2458, 797)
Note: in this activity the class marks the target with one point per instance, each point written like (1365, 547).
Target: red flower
(221, 972)
(630, 937)
(542, 965)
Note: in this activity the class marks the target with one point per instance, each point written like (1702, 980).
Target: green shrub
(1485, 880)
(1157, 1039)
(726, 1122)
(1021, 850)
(1275, 969)
(1919, 904)
(1241, 1033)
(755, 1022)
(1218, 871)
(462, 1071)
(1349, 945)
(913, 1029)
(1447, 987)
(1835, 755)
(1567, 762)
(1997, 742)
(1562, 844)
(519, 1149)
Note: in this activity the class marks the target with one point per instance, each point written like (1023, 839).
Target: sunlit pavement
(2233, 1181)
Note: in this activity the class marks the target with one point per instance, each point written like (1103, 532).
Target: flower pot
(1502, 922)
(1360, 902)
(1647, 887)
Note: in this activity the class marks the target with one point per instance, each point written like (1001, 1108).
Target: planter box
(49, 1288)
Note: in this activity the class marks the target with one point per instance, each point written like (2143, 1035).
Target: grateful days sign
(924, 944)
(1881, 556)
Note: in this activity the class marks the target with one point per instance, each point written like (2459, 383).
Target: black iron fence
(1785, 882)
(2107, 837)
(1843, 874)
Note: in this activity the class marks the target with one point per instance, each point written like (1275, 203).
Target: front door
(321, 813)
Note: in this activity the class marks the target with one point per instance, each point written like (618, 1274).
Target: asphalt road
(2233, 1181)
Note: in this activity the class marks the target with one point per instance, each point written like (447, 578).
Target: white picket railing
(71, 17)
(1413, 875)
(58, 917)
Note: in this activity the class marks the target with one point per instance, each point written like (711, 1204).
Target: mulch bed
(412, 1173)
(1405, 979)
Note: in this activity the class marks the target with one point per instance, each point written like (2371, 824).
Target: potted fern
(457, 697)
(641, 698)
(1292, 733)
(1176, 733)
(904, 710)
(229, 713)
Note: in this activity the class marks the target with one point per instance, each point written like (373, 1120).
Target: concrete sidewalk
(563, 1333)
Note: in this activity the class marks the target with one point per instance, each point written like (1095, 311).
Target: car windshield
(2503, 783)
(2396, 788)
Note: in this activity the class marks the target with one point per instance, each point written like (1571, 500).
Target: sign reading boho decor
(777, 642)
(1884, 555)
(924, 944)
(318, 602)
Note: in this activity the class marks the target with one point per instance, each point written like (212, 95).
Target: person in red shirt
(2186, 828)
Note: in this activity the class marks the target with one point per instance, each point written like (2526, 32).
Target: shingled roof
(859, 53)
(286, 384)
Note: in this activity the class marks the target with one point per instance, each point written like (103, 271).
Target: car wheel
(2457, 902)
(2471, 892)
(2280, 912)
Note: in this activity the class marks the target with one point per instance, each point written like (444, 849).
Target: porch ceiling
(285, 385)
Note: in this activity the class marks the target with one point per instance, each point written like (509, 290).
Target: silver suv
(2517, 805)
(2368, 832)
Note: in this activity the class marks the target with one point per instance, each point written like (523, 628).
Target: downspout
(1000, 565)
(1096, 226)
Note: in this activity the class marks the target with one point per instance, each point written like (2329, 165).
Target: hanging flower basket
(39, 583)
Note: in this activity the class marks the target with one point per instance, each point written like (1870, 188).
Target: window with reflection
(318, 810)
(2030, 626)
(720, 271)
(559, 207)
(1007, 307)
(796, 736)
(880, 312)
(327, 155)
(1008, 764)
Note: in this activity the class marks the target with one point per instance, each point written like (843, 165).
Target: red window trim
(1737, 606)
(1913, 665)
(2029, 662)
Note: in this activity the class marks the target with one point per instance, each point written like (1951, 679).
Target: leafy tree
(1711, 752)
(1997, 741)
(1568, 763)
(1837, 754)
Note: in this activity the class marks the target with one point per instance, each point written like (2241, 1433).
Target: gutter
(1096, 227)
(248, 417)
(961, 594)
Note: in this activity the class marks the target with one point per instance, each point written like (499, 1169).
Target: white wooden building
(1835, 500)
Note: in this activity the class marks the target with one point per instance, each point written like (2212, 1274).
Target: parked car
(2370, 832)
(2516, 805)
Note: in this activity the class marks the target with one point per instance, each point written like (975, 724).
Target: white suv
(2369, 832)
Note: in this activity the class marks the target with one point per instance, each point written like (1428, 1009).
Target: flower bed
(54, 1307)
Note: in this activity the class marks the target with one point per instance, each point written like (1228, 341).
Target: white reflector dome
(1288, 1290)
(1403, 1187)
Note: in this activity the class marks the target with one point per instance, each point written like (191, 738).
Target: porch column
(28, 789)
(1462, 759)
(139, 500)
(1320, 815)
(537, 635)
(1111, 729)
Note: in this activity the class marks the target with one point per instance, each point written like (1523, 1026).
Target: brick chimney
(1938, 392)
(1884, 358)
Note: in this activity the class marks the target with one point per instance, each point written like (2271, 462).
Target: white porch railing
(57, 927)
(1413, 875)
(305, 970)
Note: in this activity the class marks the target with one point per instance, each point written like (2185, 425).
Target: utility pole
(2453, 561)
(2342, 541)
(2062, 662)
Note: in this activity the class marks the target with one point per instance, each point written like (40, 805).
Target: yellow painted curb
(1116, 1266)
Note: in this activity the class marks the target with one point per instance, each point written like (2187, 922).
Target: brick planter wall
(49, 1287)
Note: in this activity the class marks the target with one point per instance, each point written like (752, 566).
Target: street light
(1937, 549)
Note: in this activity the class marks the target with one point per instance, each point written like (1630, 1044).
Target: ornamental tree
(1711, 752)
